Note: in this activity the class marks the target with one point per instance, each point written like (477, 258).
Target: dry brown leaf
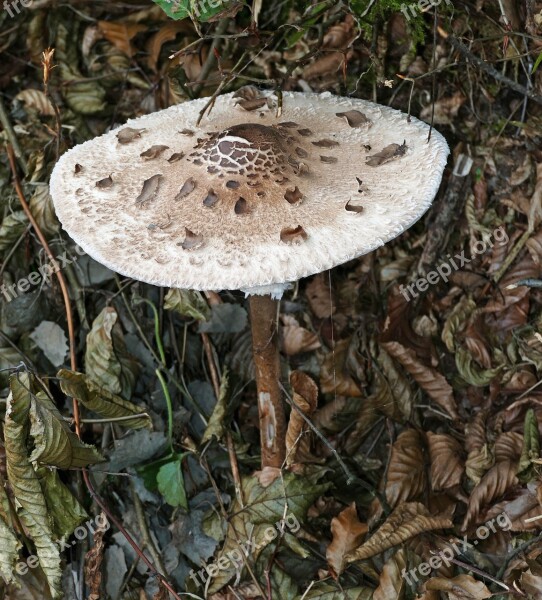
(366, 417)
(327, 65)
(347, 532)
(462, 587)
(296, 339)
(334, 375)
(93, 564)
(532, 584)
(36, 100)
(406, 478)
(431, 381)
(121, 35)
(475, 432)
(398, 328)
(508, 446)
(392, 582)
(407, 521)
(328, 416)
(521, 507)
(447, 464)
(267, 475)
(444, 110)
(493, 485)
(321, 300)
(305, 397)
(169, 31)
(477, 345)
(479, 462)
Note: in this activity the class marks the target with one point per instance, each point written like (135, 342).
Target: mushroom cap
(246, 199)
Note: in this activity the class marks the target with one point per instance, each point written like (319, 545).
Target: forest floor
(426, 479)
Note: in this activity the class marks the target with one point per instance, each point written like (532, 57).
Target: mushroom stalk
(263, 316)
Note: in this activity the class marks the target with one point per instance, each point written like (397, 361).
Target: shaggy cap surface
(246, 199)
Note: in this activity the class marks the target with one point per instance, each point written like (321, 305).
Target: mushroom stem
(263, 317)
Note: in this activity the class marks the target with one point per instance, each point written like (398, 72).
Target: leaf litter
(425, 413)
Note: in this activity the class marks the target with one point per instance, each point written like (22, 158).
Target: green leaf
(188, 303)
(101, 401)
(531, 447)
(107, 360)
(149, 472)
(201, 10)
(216, 422)
(62, 505)
(264, 507)
(171, 483)
(24, 481)
(55, 443)
(537, 63)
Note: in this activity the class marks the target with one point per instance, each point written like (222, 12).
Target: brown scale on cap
(245, 156)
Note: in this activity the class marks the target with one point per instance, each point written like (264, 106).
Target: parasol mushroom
(246, 200)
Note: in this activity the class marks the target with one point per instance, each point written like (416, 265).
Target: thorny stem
(263, 317)
(73, 364)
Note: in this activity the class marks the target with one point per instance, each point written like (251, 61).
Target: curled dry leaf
(508, 446)
(462, 587)
(37, 100)
(399, 389)
(392, 581)
(121, 34)
(347, 533)
(493, 485)
(296, 339)
(431, 381)
(107, 360)
(447, 464)
(102, 401)
(24, 482)
(407, 521)
(406, 478)
(305, 397)
(166, 33)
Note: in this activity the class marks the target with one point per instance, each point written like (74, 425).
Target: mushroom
(246, 200)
